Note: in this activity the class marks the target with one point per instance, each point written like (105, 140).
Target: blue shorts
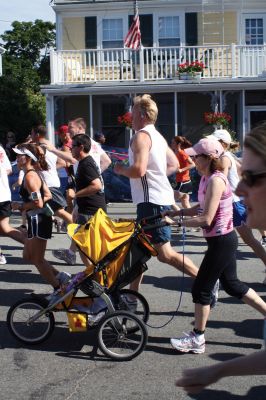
(239, 213)
(158, 235)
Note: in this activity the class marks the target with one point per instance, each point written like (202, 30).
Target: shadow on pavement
(255, 393)
(176, 283)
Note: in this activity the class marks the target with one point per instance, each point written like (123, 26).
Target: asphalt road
(69, 365)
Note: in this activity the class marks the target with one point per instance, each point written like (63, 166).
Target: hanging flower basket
(216, 118)
(125, 120)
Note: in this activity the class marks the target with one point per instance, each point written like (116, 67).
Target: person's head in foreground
(206, 154)
(253, 183)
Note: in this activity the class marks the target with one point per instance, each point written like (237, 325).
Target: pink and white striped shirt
(223, 220)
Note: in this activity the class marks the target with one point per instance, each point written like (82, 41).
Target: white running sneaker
(2, 259)
(65, 255)
(130, 303)
(190, 342)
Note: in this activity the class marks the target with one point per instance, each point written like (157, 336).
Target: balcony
(155, 64)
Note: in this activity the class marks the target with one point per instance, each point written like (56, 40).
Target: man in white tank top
(151, 161)
(231, 166)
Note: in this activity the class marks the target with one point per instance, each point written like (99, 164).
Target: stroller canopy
(100, 235)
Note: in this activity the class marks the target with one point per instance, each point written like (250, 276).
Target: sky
(24, 10)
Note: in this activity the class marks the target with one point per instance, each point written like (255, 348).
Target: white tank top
(154, 186)
(233, 177)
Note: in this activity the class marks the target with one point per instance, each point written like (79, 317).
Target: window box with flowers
(217, 119)
(191, 70)
(125, 120)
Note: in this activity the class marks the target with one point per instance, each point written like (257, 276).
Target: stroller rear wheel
(130, 300)
(29, 332)
(116, 339)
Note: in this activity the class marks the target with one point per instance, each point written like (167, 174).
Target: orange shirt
(183, 161)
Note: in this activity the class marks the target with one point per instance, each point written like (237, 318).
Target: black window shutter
(191, 22)
(90, 32)
(146, 28)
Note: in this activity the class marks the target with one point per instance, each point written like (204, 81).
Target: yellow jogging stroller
(117, 252)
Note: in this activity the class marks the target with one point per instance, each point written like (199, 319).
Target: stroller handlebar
(154, 226)
(151, 218)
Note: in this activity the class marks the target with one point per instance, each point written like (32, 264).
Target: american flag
(133, 38)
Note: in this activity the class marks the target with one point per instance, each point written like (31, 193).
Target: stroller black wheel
(29, 333)
(115, 338)
(132, 301)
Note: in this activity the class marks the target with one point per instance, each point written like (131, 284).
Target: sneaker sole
(195, 351)
(182, 350)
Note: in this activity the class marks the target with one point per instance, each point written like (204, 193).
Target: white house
(94, 76)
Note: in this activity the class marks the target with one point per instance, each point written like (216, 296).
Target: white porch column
(91, 115)
(243, 116)
(50, 117)
(175, 114)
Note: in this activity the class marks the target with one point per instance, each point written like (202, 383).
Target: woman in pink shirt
(214, 215)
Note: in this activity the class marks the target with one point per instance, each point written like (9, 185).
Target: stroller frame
(123, 324)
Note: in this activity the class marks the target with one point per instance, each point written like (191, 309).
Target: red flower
(216, 118)
(125, 119)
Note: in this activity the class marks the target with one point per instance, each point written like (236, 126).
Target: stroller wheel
(130, 300)
(29, 333)
(115, 336)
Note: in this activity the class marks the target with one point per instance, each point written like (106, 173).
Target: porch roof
(175, 85)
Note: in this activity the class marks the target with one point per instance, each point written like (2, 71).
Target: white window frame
(252, 16)
(171, 13)
(112, 19)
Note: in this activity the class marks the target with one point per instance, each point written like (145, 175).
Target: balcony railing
(154, 63)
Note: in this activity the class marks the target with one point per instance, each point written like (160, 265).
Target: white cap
(221, 134)
(25, 152)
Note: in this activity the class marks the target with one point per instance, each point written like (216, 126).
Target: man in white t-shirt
(151, 161)
(75, 127)
(5, 204)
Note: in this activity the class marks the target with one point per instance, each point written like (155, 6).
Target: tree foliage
(25, 69)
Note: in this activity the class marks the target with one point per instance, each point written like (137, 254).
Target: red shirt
(183, 161)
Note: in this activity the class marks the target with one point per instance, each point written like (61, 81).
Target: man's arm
(94, 187)
(141, 147)
(66, 156)
(172, 162)
(105, 161)
(195, 380)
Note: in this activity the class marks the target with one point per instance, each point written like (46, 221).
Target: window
(112, 33)
(169, 31)
(254, 31)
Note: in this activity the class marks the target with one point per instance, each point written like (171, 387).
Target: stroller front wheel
(117, 339)
(29, 332)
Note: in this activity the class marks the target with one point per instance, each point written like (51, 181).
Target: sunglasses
(250, 178)
(75, 145)
(200, 155)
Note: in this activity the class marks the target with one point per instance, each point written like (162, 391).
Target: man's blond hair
(148, 107)
(80, 123)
